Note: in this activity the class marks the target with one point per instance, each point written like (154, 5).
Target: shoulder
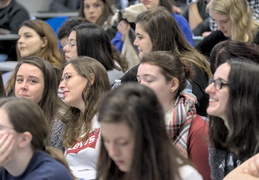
(199, 124)
(131, 74)
(179, 17)
(43, 168)
(187, 172)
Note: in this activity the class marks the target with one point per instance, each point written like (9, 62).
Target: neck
(19, 162)
(168, 105)
(5, 3)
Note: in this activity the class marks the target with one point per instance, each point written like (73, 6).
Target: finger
(6, 152)
(3, 138)
(253, 168)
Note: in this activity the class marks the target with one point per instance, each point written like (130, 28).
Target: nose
(210, 89)
(135, 43)
(61, 85)
(66, 48)
(24, 86)
(20, 40)
(143, 83)
(112, 150)
(220, 27)
(91, 9)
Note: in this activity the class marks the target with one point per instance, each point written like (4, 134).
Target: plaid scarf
(179, 119)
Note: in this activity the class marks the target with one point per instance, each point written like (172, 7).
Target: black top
(207, 44)
(12, 16)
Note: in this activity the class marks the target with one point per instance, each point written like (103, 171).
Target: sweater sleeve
(198, 146)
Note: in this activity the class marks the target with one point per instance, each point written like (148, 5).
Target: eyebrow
(222, 79)
(29, 76)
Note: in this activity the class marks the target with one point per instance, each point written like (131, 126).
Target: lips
(119, 162)
(65, 93)
(22, 48)
(146, 2)
(23, 95)
(92, 18)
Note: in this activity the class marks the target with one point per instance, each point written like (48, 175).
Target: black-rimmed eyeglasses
(218, 83)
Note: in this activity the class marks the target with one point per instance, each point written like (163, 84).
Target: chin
(211, 112)
(123, 169)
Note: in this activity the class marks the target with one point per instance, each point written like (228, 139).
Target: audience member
(84, 81)
(197, 16)
(12, 14)
(64, 5)
(35, 79)
(99, 12)
(153, 35)
(230, 48)
(134, 140)
(166, 75)
(248, 170)
(234, 113)
(66, 27)
(24, 152)
(235, 22)
(36, 38)
(98, 47)
(124, 27)
(254, 5)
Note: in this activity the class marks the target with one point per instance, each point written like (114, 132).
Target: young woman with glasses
(84, 81)
(234, 113)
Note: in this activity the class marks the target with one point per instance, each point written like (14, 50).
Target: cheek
(38, 93)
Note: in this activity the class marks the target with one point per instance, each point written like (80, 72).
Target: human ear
(92, 79)
(174, 85)
(44, 42)
(25, 139)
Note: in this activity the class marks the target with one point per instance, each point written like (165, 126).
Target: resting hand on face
(6, 148)
(123, 27)
(253, 166)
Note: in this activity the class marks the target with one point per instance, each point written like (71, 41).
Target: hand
(205, 34)
(253, 166)
(177, 10)
(4, 31)
(123, 27)
(6, 148)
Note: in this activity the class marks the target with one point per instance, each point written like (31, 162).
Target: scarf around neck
(179, 118)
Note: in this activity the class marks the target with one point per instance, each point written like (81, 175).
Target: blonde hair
(244, 27)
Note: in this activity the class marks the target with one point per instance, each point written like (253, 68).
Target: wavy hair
(244, 27)
(86, 67)
(50, 52)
